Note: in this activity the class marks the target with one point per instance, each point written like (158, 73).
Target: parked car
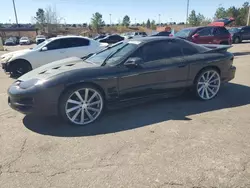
(19, 62)
(214, 33)
(162, 33)
(111, 39)
(133, 35)
(129, 71)
(11, 41)
(24, 40)
(239, 34)
(40, 39)
(100, 37)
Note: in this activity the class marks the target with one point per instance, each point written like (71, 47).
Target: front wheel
(81, 105)
(208, 84)
(19, 68)
(237, 40)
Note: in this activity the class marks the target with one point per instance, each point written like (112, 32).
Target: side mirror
(44, 49)
(196, 35)
(133, 62)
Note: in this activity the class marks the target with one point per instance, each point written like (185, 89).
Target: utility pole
(14, 6)
(248, 17)
(110, 19)
(159, 19)
(187, 11)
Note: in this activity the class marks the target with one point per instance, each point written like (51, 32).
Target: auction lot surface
(177, 142)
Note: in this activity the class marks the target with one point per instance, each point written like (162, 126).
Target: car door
(205, 36)
(245, 33)
(79, 47)
(221, 36)
(163, 71)
(55, 50)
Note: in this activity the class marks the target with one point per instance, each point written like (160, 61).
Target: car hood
(55, 68)
(17, 53)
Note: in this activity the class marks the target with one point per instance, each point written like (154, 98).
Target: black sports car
(127, 72)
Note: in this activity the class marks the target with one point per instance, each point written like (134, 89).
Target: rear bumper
(230, 75)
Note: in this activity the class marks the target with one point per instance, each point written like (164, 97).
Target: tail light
(171, 35)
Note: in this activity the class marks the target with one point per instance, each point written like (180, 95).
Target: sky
(80, 11)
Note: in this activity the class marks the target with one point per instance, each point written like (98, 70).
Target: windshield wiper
(110, 55)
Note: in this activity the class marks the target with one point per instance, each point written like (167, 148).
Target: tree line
(240, 15)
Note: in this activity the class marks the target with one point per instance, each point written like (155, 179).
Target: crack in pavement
(18, 157)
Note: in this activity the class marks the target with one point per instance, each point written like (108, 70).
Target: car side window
(78, 42)
(54, 45)
(206, 32)
(187, 48)
(160, 50)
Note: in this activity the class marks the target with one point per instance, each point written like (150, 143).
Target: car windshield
(41, 44)
(234, 30)
(24, 38)
(112, 55)
(40, 36)
(184, 33)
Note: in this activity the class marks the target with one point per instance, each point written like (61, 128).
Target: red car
(214, 33)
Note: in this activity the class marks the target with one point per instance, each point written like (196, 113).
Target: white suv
(19, 62)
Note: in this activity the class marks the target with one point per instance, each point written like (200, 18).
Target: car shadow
(231, 95)
(241, 53)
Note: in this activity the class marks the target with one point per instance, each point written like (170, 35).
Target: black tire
(63, 105)
(19, 67)
(198, 80)
(237, 40)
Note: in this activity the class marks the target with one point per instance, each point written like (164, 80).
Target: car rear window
(184, 33)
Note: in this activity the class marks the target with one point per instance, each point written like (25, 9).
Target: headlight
(6, 58)
(30, 83)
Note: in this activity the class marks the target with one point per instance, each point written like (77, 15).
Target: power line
(187, 11)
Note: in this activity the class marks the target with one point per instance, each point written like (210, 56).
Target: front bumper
(5, 66)
(37, 100)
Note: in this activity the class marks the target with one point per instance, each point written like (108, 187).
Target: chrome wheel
(208, 84)
(84, 106)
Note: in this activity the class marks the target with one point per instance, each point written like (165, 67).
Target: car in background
(162, 33)
(99, 37)
(214, 33)
(20, 62)
(129, 72)
(133, 35)
(24, 40)
(40, 39)
(111, 39)
(11, 41)
(240, 33)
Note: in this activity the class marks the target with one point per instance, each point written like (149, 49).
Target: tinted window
(160, 50)
(78, 42)
(221, 31)
(184, 33)
(246, 29)
(206, 32)
(187, 47)
(57, 44)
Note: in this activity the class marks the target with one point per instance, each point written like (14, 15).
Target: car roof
(151, 39)
(72, 36)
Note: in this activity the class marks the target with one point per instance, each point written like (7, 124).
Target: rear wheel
(81, 105)
(237, 40)
(19, 68)
(208, 84)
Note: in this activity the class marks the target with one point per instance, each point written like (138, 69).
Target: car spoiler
(216, 48)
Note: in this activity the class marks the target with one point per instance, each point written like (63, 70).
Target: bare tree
(52, 19)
